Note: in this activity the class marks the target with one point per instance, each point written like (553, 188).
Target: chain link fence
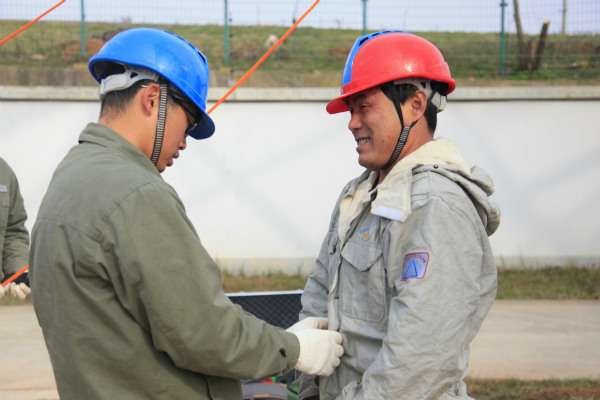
(478, 38)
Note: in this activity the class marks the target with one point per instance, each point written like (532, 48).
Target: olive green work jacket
(14, 237)
(130, 303)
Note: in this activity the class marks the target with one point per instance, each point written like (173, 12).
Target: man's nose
(354, 123)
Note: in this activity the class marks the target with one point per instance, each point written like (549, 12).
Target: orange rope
(15, 276)
(251, 70)
(15, 33)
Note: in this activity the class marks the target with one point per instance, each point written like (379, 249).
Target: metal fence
(478, 37)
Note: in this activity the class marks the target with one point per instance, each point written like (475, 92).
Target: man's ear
(418, 104)
(149, 97)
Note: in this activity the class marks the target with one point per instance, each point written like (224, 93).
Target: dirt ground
(533, 339)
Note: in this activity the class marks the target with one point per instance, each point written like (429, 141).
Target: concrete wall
(260, 192)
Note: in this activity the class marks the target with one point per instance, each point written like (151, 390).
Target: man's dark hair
(398, 94)
(116, 101)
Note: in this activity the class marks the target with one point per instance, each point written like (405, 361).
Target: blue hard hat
(167, 54)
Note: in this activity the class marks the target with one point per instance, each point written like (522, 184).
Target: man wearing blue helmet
(406, 272)
(130, 303)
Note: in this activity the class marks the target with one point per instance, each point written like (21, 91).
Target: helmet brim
(204, 129)
(337, 105)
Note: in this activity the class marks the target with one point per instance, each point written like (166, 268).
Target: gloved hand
(320, 351)
(20, 290)
(19, 287)
(1, 291)
(309, 323)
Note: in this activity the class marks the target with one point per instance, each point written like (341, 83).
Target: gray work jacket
(14, 237)
(130, 303)
(407, 275)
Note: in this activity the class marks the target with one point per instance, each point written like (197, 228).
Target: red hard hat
(385, 56)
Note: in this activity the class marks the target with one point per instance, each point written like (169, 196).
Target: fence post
(564, 18)
(502, 39)
(364, 17)
(82, 29)
(226, 61)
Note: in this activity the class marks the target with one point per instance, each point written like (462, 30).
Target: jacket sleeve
(173, 288)
(425, 350)
(15, 252)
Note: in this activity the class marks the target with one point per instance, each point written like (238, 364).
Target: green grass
(12, 301)
(549, 283)
(262, 283)
(514, 389)
(472, 56)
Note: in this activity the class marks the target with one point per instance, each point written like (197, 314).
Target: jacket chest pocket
(362, 281)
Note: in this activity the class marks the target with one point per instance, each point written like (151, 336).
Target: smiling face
(375, 125)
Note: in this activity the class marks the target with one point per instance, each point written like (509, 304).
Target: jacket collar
(393, 194)
(106, 137)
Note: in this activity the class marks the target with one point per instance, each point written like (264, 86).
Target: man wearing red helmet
(406, 272)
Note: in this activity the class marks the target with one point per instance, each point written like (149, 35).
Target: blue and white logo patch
(3, 188)
(415, 265)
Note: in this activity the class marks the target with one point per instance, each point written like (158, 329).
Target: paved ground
(534, 339)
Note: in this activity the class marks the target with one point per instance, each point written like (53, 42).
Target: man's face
(375, 125)
(174, 140)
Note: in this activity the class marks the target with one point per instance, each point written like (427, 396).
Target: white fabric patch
(389, 213)
(131, 75)
(3, 188)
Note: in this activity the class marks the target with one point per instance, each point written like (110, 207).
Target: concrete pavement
(533, 339)
(538, 339)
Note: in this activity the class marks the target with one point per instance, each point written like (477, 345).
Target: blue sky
(583, 16)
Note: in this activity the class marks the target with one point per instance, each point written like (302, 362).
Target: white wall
(262, 189)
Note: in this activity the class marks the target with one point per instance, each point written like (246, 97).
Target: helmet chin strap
(160, 123)
(401, 139)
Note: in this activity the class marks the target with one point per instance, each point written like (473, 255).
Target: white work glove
(1, 291)
(20, 290)
(320, 351)
(309, 323)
